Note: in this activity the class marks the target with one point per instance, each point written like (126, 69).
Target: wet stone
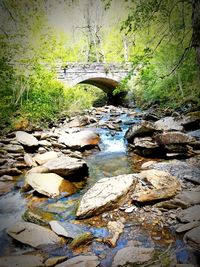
(33, 235)
(132, 255)
(193, 236)
(190, 214)
(66, 229)
(5, 187)
(115, 228)
(81, 261)
(183, 200)
(105, 194)
(187, 227)
(22, 261)
(145, 129)
(37, 216)
(54, 260)
(81, 240)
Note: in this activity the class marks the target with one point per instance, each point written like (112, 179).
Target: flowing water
(111, 159)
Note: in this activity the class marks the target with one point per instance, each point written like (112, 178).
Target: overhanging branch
(182, 58)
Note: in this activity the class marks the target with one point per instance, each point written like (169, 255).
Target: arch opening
(106, 84)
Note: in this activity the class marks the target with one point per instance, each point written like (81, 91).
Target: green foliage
(82, 97)
(7, 83)
(164, 68)
(174, 90)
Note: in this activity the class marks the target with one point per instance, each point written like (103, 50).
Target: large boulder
(33, 234)
(155, 185)
(168, 124)
(147, 147)
(105, 194)
(131, 256)
(78, 121)
(80, 140)
(173, 138)
(68, 167)
(145, 129)
(50, 184)
(26, 139)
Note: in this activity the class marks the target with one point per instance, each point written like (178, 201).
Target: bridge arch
(105, 82)
(105, 76)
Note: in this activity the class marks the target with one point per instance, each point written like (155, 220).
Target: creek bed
(111, 159)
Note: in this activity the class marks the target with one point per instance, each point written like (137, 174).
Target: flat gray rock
(80, 261)
(190, 214)
(14, 148)
(43, 158)
(145, 129)
(33, 234)
(180, 169)
(66, 229)
(45, 143)
(187, 227)
(26, 139)
(132, 255)
(184, 199)
(67, 166)
(167, 124)
(105, 194)
(193, 236)
(173, 138)
(22, 261)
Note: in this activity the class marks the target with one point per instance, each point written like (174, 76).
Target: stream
(111, 158)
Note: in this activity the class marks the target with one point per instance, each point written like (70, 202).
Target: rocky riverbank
(141, 216)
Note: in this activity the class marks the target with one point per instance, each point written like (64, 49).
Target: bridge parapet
(103, 75)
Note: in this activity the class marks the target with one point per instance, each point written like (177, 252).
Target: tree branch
(182, 58)
(4, 32)
(4, 5)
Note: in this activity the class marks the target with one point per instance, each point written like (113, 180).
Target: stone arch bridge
(105, 76)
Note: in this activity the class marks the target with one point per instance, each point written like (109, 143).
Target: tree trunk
(196, 30)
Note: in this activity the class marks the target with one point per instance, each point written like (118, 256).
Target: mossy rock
(81, 239)
(38, 216)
